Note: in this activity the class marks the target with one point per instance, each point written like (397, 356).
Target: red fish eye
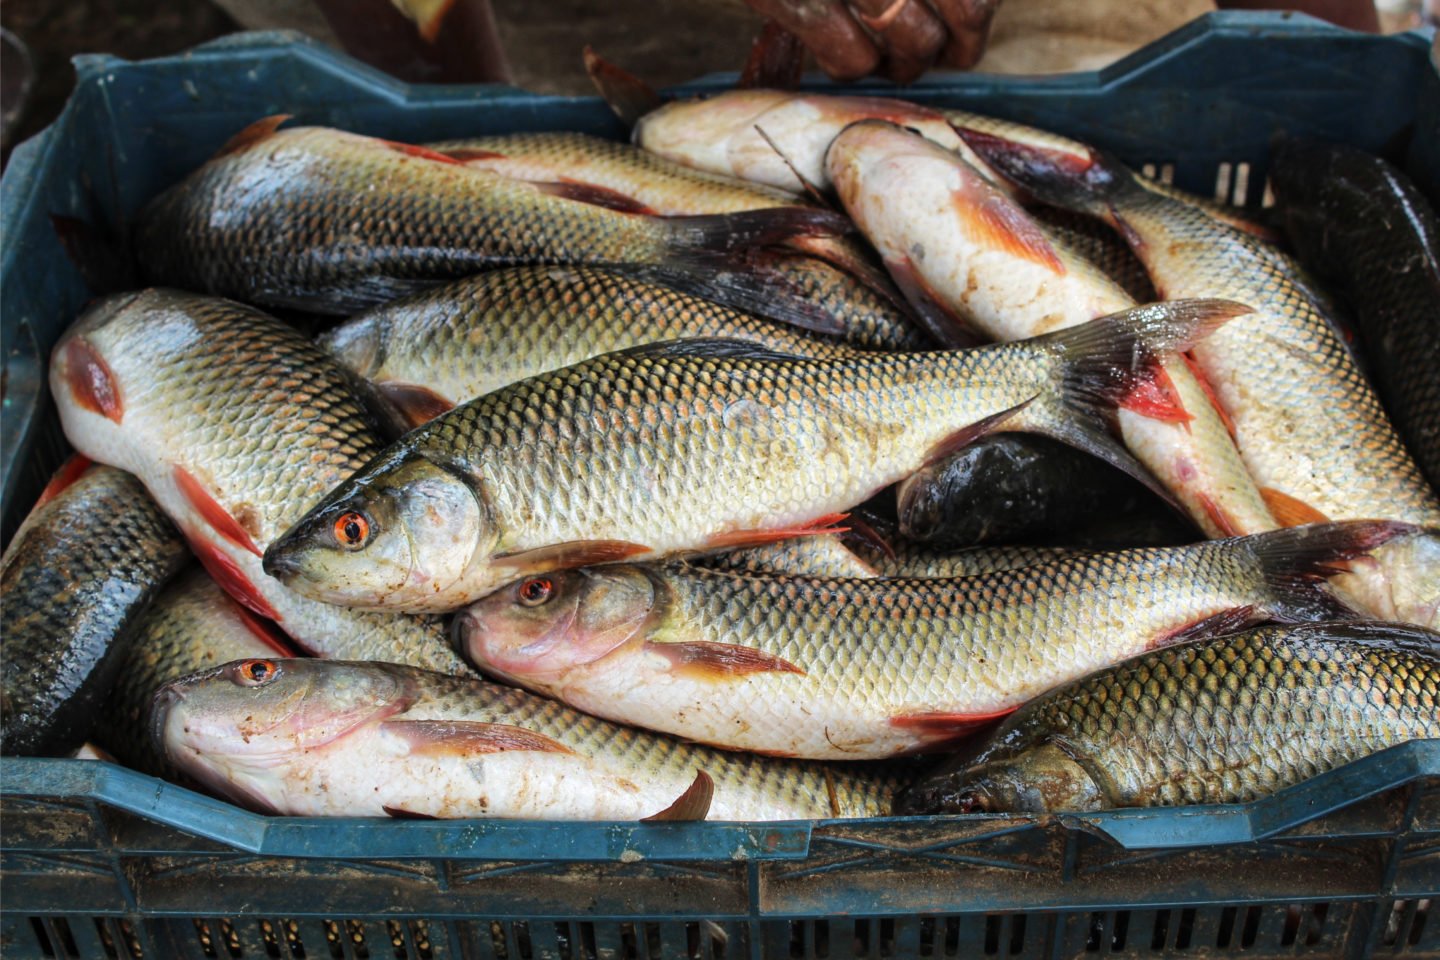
(352, 529)
(536, 591)
(254, 673)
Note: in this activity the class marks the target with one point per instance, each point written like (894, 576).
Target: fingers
(911, 35)
(969, 25)
(840, 45)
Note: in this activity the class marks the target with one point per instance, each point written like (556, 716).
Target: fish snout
(280, 565)
(464, 625)
(165, 698)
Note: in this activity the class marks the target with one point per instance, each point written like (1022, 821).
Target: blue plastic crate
(98, 861)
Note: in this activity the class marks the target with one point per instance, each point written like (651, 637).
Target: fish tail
(1295, 561)
(1115, 362)
(1083, 178)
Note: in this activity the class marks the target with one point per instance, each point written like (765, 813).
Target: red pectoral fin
(1226, 621)
(1209, 389)
(939, 728)
(1155, 396)
(229, 577)
(693, 804)
(424, 153)
(253, 134)
(996, 222)
(416, 404)
(71, 470)
(733, 539)
(92, 385)
(574, 553)
(211, 512)
(968, 435)
(1222, 520)
(720, 661)
(265, 631)
(469, 154)
(1289, 511)
(595, 195)
(457, 738)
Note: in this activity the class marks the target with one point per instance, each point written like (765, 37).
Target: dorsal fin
(252, 134)
(710, 348)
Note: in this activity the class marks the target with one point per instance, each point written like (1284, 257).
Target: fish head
(359, 343)
(537, 630)
(1043, 778)
(697, 132)
(235, 727)
(399, 535)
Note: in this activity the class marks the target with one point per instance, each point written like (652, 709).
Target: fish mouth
(281, 566)
(165, 698)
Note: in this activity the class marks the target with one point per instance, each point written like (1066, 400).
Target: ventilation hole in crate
(205, 938)
(717, 936)
(1291, 928)
(819, 939)
(1160, 930)
(526, 950)
(1119, 931)
(1148, 170)
(1251, 928)
(564, 944)
(498, 945)
(107, 941)
(992, 935)
(1417, 922)
(270, 941)
(650, 932)
(1267, 199)
(927, 936)
(1094, 932)
(1186, 929)
(1406, 923)
(1226, 930)
(1222, 183)
(1315, 928)
(587, 948)
(64, 938)
(1242, 184)
(862, 939)
(887, 936)
(42, 939)
(1017, 934)
(1167, 173)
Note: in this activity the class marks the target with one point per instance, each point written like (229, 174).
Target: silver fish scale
(315, 217)
(929, 640)
(857, 791)
(1231, 720)
(685, 447)
(916, 560)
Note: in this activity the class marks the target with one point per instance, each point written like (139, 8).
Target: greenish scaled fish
(693, 447)
(1216, 721)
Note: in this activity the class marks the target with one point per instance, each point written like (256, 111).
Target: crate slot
(1405, 923)
(1222, 181)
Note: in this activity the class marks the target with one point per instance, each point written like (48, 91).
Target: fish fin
(354, 296)
(400, 813)
(940, 727)
(776, 61)
(998, 222)
(265, 631)
(807, 185)
(252, 134)
(732, 539)
(1088, 182)
(1289, 511)
(1222, 520)
(968, 435)
(595, 195)
(229, 577)
(745, 230)
(424, 153)
(752, 287)
(849, 259)
(1294, 562)
(944, 324)
(71, 470)
(1209, 389)
(710, 347)
(720, 661)
(1226, 621)
(104, 261)
(216, 516)
(416, 404)
(1156, 398)
(862, 531)
(471, 154)
(458, 738)
(92, 384)
(573, 553)
(693, 804)
(629, 96)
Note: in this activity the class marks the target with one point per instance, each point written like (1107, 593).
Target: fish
(1355, 219)
(1012, 487)
(830, 669)
(912, 560)
(1098, 244)
(968, 256)
(74, 581)
(236, 424)
(434, 350)
(337, 738)
(820, 556)
(327, 221)
(192, 625)
(1222, 720)
(1309, 427)
(691, 447)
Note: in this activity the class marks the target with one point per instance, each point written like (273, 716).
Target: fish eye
(255, 673)
(536, 591)
(352, 530)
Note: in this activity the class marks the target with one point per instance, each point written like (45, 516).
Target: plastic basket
(99, 861)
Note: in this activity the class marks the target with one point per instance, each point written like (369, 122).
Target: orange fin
(1219, 517)
(830, 523)
(416, 404)
(92, 384)
(1226, 621)
(400, 813)
(424, 153)
(938, 728)
(229, 577)
(693, 804)
(71, 470)
(265, 631)
(967, 435)
(469, 154)
(215, 515)
(1289, 511)
(594, 195)
(1209, 389)
(458, 738)
(1155, 396)
(629, 96)
(720, 661)
(574, 553)
(996, 221)
(252, 134)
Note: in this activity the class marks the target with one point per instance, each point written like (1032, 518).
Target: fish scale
(1217, 721)
(75, 580)
(867, 668)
